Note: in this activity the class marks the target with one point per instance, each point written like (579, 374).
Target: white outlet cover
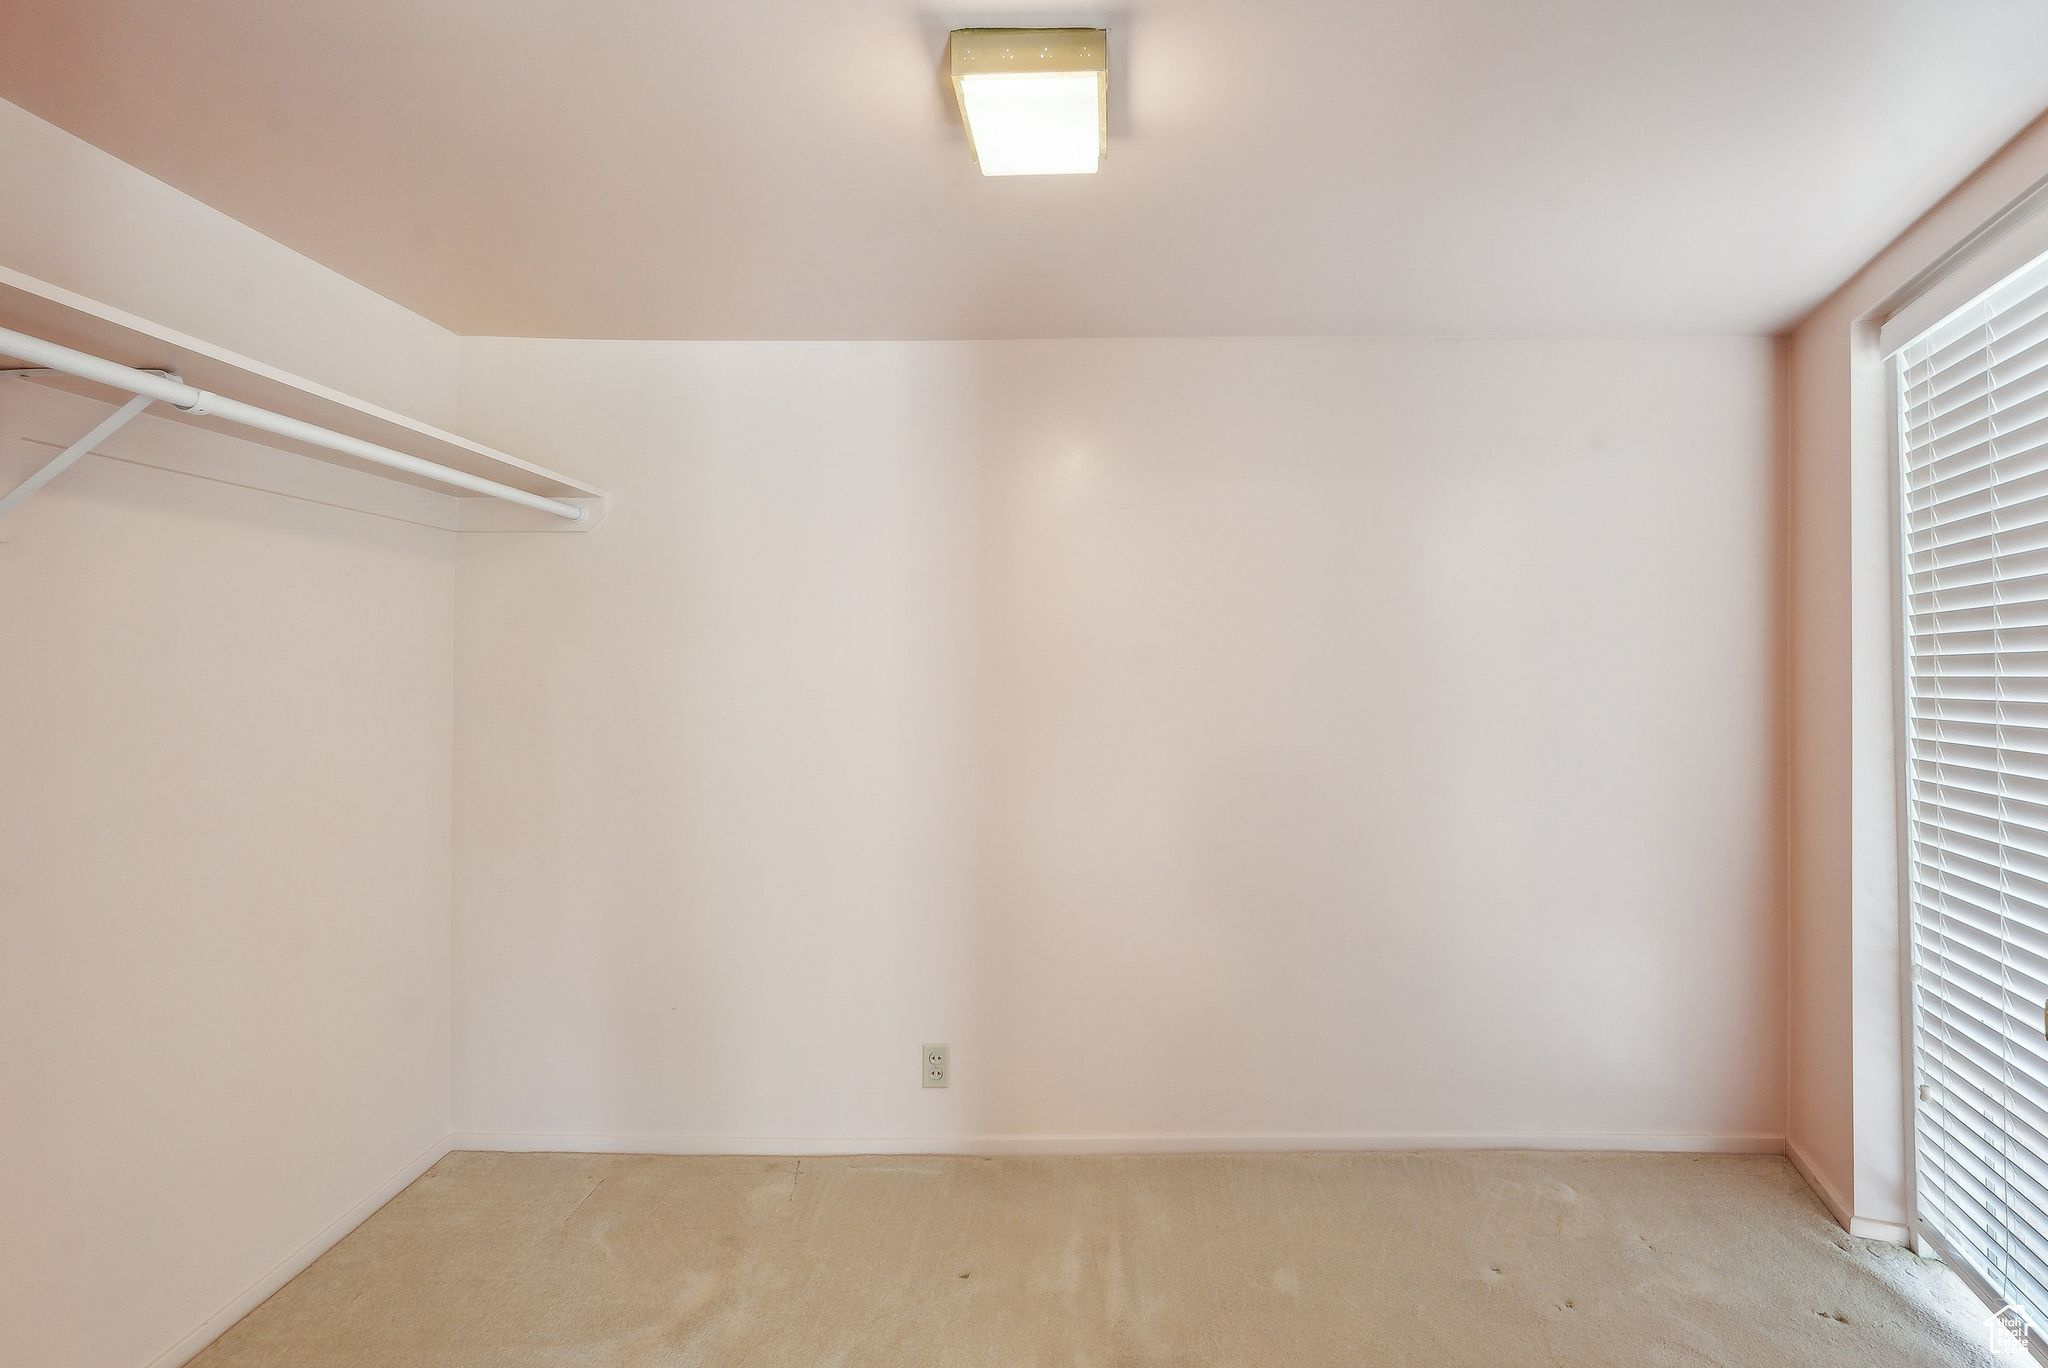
(937, 1066)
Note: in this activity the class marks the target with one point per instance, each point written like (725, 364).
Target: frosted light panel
(1034, 123)
(1033, 100)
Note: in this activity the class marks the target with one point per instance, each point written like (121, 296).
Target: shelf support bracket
(71, 455)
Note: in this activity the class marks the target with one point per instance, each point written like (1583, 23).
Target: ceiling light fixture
(1035, 100)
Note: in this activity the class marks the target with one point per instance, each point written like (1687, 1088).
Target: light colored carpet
(1433, 1260)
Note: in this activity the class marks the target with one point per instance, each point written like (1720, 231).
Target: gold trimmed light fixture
(1035, 101)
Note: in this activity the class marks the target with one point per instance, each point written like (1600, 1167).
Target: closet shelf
(52, 314)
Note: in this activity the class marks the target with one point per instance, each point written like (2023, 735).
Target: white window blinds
(1973, 443)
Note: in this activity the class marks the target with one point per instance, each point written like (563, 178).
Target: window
(1972, 409)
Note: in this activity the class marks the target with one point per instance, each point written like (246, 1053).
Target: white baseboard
(1862, 1227)
(806, 1145)
(1822, 1188)
(1888, 1232)
(296, 1262)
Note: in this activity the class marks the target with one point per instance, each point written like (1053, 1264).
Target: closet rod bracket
(78, 450)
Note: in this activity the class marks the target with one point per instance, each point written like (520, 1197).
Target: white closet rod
(191, 399)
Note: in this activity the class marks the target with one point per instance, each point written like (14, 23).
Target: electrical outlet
(938, 1066)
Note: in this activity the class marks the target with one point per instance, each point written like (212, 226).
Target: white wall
(224, 883)
(1216, 742)
(1847, 1067)
(225, 740)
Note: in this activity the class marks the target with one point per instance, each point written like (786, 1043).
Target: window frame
(2007, 244)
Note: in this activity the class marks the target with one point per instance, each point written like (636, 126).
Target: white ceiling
(793, 168)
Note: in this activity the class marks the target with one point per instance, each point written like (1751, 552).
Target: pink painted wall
(225, 749)
(90, 223)
(1286, 742)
